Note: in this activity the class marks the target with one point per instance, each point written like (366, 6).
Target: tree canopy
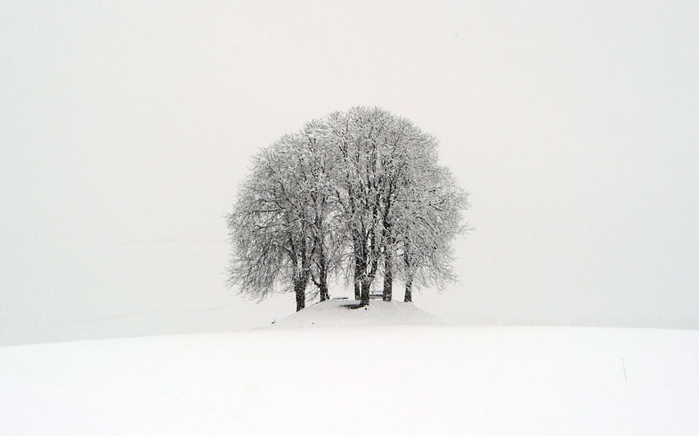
(354, 195)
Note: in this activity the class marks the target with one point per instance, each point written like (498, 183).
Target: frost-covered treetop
(357, 194)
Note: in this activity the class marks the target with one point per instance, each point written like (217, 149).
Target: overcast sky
(127, 126)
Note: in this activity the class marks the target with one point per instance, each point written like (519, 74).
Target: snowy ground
(362, 379)
(346, 313)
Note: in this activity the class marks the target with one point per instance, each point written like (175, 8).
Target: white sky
(575, 126)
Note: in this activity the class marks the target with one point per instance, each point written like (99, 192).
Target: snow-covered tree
(358, 191)
(270, 229)
(314, 171)
(426, 223)
(393, 197)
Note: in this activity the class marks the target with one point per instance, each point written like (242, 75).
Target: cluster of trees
(356, 195)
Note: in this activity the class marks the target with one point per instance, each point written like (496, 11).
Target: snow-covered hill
(336, 313)
(358, 380)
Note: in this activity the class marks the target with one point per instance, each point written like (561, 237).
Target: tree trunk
(366, 288)
(388, 278)
(388, 240)
(408, 290)
(369, 276)
(300, 290)
(300, 284)
(322, 261)
(357, 278)
(409, 271)
(360, 269)
(322, 282)
(324, 294)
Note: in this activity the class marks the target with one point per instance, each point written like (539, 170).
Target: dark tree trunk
(408, 290)
(366, 288)
(324, 294)
(300, 284)
(358, 272)
(410, 271)
(300, 290)
(389, 240)
(388, 260)
(322, 260)
(367, 281)
(388, 278)
(322, 282)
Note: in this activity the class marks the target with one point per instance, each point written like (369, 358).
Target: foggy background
(126, 128)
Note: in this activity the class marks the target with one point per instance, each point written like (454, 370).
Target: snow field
(429, 379)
